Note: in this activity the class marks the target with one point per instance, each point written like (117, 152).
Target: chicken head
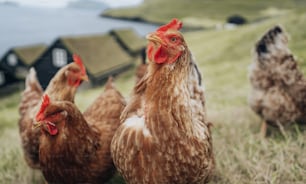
(76, 72)
(166, 44)
(49, 115)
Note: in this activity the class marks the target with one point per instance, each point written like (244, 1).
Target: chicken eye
(54, 114)
(173, 39)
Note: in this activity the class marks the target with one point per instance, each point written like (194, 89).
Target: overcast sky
(61, 3)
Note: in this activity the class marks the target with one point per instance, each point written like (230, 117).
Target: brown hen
(142, 68)
(75, 147)
(165, 136)
(278, 93)
(63, 86)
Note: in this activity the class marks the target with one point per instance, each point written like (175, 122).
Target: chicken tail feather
(32, 93)
(109, 84)
(32, 81)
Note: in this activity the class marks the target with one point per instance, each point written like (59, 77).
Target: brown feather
(58, 89)
(80, 153)
(30, 99)
(141, 71)
(165, 136)
(278, 86)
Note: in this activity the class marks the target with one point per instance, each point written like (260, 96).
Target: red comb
(77, 59)
(45, 102)
(174, 24)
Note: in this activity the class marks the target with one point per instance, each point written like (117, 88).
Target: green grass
(241, 155)
(206, 12)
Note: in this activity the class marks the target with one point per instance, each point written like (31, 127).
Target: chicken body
(29, 105)
(80, 151)
(165, 136)
(59, 89)
(278, 87)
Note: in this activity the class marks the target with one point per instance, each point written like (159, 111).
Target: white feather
(137, 123)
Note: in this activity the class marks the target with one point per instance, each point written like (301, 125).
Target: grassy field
(206, 12)
(241, 155)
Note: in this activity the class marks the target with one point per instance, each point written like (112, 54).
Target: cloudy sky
(60, 3)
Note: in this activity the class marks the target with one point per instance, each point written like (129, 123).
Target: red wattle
(52, 129)
(74, 83)
(160, 55)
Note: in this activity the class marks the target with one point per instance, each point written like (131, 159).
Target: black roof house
(129, 40)
(6, 78)
(101, 55)
(18, 60)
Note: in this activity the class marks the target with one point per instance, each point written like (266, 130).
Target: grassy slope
(205, 12)
(241, 156)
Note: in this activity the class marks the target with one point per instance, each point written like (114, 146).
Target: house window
(2, 78)
(59, 57)
(12, 59)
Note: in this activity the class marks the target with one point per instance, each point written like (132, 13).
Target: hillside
(205, 12)
(223, 57)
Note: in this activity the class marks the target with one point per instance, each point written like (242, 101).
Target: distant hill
(87, 4)
(9, 3)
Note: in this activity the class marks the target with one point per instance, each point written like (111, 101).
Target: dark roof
(131, 40)
(100, 53)
(236, 19)
(28, 54)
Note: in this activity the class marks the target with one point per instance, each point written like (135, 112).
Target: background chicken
(163, 138)
(63, 86)
(142, 68)
(278, 87)
(75, 147)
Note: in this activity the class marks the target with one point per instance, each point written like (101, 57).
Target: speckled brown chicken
(75, 147)
(63, 86)
(278, 93)
(165, 136)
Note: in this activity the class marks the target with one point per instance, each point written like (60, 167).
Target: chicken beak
(154, 38)
(84, 78)
(37, 124)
